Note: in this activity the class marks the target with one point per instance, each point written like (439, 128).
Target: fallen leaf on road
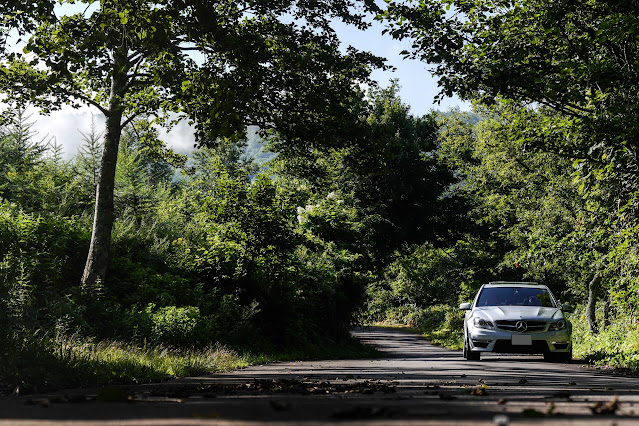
(523, 381)
(478, 391)
(42, 402)
(531, 412)
(609, 407)
(502, 401)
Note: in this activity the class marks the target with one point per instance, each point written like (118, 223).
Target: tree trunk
(607, 319)
(591, 310)
(98, 257)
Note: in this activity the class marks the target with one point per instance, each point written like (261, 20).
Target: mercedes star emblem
(521, 326)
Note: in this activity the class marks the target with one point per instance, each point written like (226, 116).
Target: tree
(577, 57)
(20, 155)
(86, 165)
(401, 178)
(222, 64)
(552, 231)
(396, 176)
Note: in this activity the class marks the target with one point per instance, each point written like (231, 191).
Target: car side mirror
(567, 307)
(464, 307)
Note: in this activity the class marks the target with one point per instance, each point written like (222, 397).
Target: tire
(470, 355)
(465, 348)
(565, 357)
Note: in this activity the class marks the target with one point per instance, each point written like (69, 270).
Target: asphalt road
(413, 383)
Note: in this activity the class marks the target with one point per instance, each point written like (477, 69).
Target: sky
(418, 89)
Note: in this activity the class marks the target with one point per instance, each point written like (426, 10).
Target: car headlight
(558, 325)
(482, 323)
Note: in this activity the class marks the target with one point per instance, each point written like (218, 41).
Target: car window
(514, 296)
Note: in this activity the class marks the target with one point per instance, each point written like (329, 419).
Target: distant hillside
(472, 117)
(255, 147)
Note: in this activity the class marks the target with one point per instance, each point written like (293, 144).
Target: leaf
(479, 391)
(531, 412)
(606, 408)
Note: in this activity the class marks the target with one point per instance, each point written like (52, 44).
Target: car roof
(514, 284)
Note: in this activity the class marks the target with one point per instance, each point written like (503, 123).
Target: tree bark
(591, 310)
(98, 256)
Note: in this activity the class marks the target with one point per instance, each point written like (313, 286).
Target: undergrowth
(36, 364)
(615, 345)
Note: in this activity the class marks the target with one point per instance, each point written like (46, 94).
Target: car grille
(531, 326)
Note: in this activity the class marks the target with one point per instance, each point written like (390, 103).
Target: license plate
(522, 339)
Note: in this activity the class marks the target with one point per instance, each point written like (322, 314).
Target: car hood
(496, 313)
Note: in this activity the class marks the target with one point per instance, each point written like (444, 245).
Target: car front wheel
(468, 354)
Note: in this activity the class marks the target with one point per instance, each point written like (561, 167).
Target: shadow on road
(412, 382)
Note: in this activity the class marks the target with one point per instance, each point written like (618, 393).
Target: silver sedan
(517, 317)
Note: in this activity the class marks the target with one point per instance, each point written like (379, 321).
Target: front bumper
(483, 340)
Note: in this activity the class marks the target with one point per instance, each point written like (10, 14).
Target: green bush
(616, 344)
(168, 325)
(38, 260)
(409, 315)
(175, 326)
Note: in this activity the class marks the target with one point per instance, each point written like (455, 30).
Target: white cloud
(65, 126)
(68, 124)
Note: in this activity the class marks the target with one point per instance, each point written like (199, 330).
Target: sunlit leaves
(578, 58)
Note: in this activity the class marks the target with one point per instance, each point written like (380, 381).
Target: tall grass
(40, 362)
(616, 344)
(36, 363)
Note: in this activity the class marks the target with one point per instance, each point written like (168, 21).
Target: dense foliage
(221, 65)
(220, 250)
(551, 167)
(362, 211)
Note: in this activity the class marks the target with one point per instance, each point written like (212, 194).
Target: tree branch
(129, 120)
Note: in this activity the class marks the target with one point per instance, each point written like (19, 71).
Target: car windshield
(515, 296)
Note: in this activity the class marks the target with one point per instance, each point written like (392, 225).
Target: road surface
(413, 383)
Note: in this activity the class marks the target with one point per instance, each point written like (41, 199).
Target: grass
(452, 339)
(44, 364)
(616, 345)
(37, 363)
